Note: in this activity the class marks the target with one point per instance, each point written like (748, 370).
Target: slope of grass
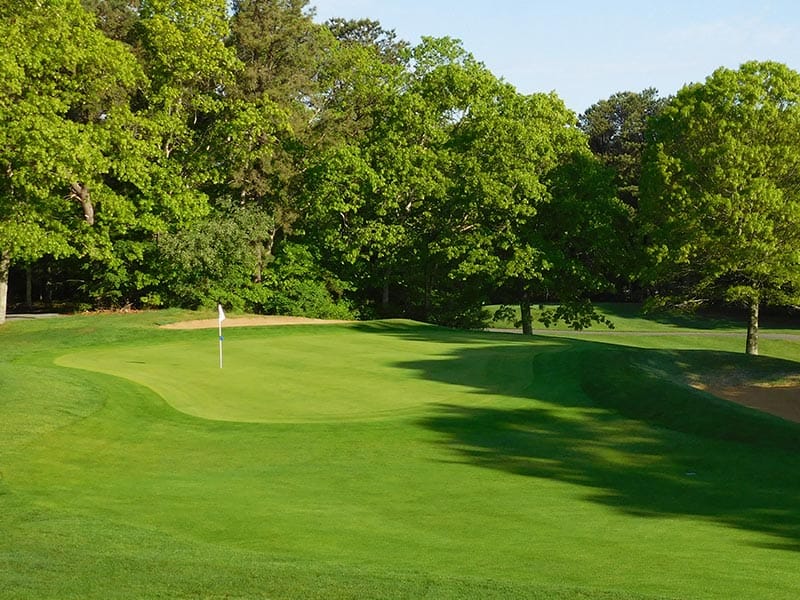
(384, 460)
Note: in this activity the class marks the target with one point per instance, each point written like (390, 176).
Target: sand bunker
(782, 401)
(259, 321)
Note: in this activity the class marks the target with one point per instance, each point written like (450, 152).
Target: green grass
(387, 460)
(631, 317)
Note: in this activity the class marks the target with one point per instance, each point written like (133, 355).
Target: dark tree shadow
(719, 318)
(621, 423)
(716, 320)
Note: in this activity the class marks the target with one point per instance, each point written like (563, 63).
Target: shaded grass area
(516, 468)
(678, 451)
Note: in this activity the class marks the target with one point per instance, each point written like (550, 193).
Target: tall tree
(352, 213)
(721, 191)
(280, 47)
(181, 47)
(584, 231)
(508, 143)
(189, 69)
(616, 128)
(370, 34)
(64, 104)
(266, 133)
(115, 18)
(385, 189)
(437, 195)
(555, 248)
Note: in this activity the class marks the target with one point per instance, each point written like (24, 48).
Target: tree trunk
(264, 256)
(259, 274)
(80, 192)
(29, 287)
(385, 296)
(269, 245)
(5, 268)
(752, 330)
(525, 315)
(428, 303)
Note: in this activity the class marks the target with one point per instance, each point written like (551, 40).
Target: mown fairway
(387, 460)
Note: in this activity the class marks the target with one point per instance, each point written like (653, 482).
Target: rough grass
(386, 460)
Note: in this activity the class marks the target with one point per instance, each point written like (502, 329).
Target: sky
(586, 51)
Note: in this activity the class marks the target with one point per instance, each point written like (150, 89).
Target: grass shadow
(621, 423)
(633, 317)
(681, 319)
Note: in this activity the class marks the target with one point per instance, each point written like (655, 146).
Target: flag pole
(221, 319)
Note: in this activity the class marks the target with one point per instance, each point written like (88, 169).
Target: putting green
(308, 374)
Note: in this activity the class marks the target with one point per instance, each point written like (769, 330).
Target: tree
(190, 70)
(211, 260)
(265, 134)
(362, 180)
(437, 194)
(165, 163)
(280, 47)
(395, 191)
(616, 129)
(721, 191)
(512, 148)
(585, 233)
(64, 93)
(370, 34)
(115, 18)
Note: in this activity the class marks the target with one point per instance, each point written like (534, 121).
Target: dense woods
(183, 153)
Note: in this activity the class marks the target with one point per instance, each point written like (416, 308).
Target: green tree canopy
(64, 105)
(434, 194)
(368, 33)
(616, 128)
(721, 191)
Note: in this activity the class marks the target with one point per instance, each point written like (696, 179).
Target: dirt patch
(782, 401)
(260, 321)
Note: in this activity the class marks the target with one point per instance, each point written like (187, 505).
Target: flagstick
(221, 319)
(220, 343)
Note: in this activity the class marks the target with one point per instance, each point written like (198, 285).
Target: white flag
(221, 313)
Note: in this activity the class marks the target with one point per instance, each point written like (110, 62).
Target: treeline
(184, 153)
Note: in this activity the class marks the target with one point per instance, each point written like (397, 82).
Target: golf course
(395, 459)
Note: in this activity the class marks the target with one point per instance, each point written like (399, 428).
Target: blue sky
(586, 51)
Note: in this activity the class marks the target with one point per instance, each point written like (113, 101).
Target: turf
(632, 317)
(386, 460)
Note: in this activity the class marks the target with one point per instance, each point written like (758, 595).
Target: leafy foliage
(298, 286)
(720, 202)
(617, 130)
(179, 152)
(212, 261)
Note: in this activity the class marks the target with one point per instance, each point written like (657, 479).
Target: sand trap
(260, 321)
(782, 401)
